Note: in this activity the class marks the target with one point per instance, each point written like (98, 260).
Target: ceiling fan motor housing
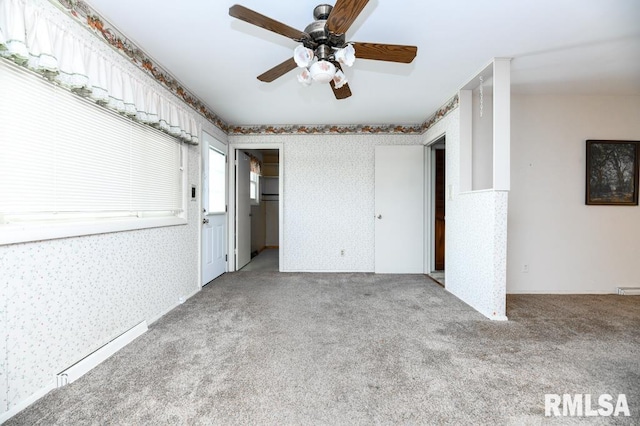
(319, 36)
(317, 31)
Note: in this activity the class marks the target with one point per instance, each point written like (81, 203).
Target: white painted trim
(465, 105)
(97, 357)
(628, 291)
(233, 147)
(334, 271)
(480, 191)
(27, 402)
(429, 201)
(429, 208)
(502, 124)
(18, 233)
(562, 292)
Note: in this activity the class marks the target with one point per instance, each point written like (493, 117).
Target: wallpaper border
(87, 16)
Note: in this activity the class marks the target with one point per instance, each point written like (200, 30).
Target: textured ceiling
(557, 46)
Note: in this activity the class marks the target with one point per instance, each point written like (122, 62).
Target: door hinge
(226, 208)
(226, 257)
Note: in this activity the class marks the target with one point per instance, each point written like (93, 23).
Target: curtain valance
(256, 164)
(33, 35)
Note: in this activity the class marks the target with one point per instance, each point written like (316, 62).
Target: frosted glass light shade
(322, 71)
(346, 56)
(303, 56)
(304, 77)
(339, 79)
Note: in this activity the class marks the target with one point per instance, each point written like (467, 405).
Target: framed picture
(612, 172)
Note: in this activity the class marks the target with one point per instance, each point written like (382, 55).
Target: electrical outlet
(525, 268)
(342, 252)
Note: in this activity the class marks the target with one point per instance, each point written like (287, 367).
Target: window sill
(38, 231)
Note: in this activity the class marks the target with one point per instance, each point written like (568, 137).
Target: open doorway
(438, 201)
(257, 209)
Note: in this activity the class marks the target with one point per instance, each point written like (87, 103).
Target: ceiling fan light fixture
(339, 79)
(322, 71)
(346, 56)
(303, 56)
(304, 77)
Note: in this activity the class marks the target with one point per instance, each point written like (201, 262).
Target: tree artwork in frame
(612, 172)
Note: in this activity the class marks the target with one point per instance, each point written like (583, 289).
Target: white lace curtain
(33, 36)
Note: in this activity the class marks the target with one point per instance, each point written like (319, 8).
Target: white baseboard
(26, 402)
(558, 293)
(91, 361)
(629, 291)
(79, 369)
(86, 364)
(499, 318)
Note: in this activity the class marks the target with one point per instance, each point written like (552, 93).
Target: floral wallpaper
(476, 233)
(328, 197)
(62, 299)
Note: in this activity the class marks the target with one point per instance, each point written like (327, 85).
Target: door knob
(379, 216)
(205, 220)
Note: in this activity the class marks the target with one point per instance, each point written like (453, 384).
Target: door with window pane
(214, 203)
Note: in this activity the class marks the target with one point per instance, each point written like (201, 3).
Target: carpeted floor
(279, 349)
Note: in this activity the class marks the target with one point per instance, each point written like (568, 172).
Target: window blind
(60, 153)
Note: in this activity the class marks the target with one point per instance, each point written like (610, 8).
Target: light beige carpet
(280, 349)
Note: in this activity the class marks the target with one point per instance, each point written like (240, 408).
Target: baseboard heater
(92, 360)
(629, 291)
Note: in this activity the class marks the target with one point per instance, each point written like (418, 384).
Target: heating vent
(629, 291)
(83, 366)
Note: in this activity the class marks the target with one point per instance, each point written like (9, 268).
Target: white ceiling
(557, 46)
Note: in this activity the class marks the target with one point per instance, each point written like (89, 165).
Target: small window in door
(254, 188)
(217, 203)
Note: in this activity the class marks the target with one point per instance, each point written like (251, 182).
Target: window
(217, 181)
(69, 167)
(254, 188)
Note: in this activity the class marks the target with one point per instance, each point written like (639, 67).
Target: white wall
(328, 198)
(569, 247)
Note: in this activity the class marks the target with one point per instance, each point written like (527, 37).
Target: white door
(243, 210)
(214, 206)
(399, 209)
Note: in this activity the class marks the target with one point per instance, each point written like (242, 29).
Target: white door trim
(429, 202)
(233, 147)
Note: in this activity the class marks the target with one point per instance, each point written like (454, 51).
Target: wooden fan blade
(385, 52)
(343, 92)
(278, 71)
(343, 14)
(267, 23)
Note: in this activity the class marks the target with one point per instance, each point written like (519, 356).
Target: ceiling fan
(323, 49)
